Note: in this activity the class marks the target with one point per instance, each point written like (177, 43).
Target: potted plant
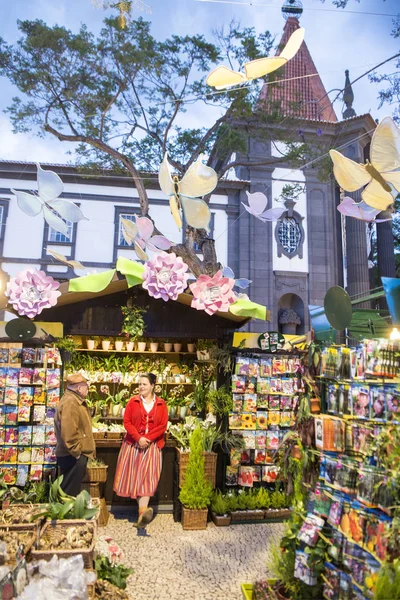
(191, 347)
(289, 319)
(105, 343)
(129, 345)
(141, 346)
(116, 401)
(167, 346)
(186, 401)
(67, 347)
(133, 324)
(153, 345)
(196, 491)
(177, 346)
(204, 349)
(90, 343)
(220, 401)
(119, 344)
(102, 407)
(220, 509)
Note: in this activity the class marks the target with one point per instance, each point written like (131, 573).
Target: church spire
(348, 98)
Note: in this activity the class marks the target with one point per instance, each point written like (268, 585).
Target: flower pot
(172, 412)
(92, 411)
(289, 328)
(183, 411)
(116, 409)
(90, 344)
(142, 346)
(118, 346)
(167, 347)
(154, 346)
(177, 378)
(191, 347)
(129, 346)
(203, 355)
(123, 411)
(182, 378)
(193, 519)
(177, 347)
(105, 344)
(104, 411)
(221, 520)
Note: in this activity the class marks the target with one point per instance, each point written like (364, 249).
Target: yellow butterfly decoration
(199, 180)
(378, 173)
(222, 77)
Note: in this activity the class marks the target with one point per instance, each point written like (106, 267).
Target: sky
(337, 39)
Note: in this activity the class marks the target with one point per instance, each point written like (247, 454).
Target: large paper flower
(165, 276)
(213, 293)
(32, 291)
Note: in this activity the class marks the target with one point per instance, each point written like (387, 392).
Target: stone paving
(172, 564)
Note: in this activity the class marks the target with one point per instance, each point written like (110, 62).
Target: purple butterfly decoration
(257, 205)
(139, 233)
(361, 211)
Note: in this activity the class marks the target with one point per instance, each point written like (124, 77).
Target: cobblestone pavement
(172, 564)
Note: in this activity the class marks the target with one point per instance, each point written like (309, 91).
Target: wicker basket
(51, 530)
(115, 435)
(27, 545)
(194, 518)
(210, 466)
(91, 586)
(96, 474)
(99, 435)
(29, 507)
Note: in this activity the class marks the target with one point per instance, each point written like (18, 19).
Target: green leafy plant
(232, 501)
(224, 357)
(62, 506)
(263, 498)
(242, 500)
(118, 397)
(133, 325)
(196, 490)
(115, 573)
(206, 344)
(219, 503)
(68, 344)
(388, 584)
(220, 401)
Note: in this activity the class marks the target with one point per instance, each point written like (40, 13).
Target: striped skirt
(138, 470)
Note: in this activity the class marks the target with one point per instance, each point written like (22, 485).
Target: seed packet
(41, 356)
(245, 457)
(245, 478)
(270, 473)
(335, 512)
(38, 434)
(9, 474)
(36, 472)
(371, 534)
(242, 366)
(261, 440)
(257, 472)
(14, 355)
(24, 413)
(382, 538)
(238, 384)
(12, 377)
(272, 440)
(250, 403)
(26, 395)
(28, 356)
(22, 475)
(39, 395)
(278, 366)
(235, 421)
(237, 400)
(50, 414)
(360, 400)
(286, 419)
(25, 376)
(274, 402)
(251, 385)
(24, 454)
(2, 414)
(265, 367)
(310, 529)
(274, 418)
(249, 438)
(10, 454)
(368, 480)
(262, 420)
(3, 355)
(234, 456)
(253, 367)
(345, 406)
(39, 413)
(37, 455)
(53, 397)
(11, 395)
(262, 401)
(10, 414)
(371, 576)
(49, 472)
(346, 475)
(262, 385)
(11, 435)
(332, 400)
(50, 454)
(24, 435)
(392, 404)
(377, 403)
(231, 476)
(287, 385)
(39, 376)
(331, 585)
(286, 402)
(302, 569)
(357, 593)
(53, 378)
(3, 376)
(330, 470)
(275, 385)
(248, 420)
(259, 457)
(322, 502)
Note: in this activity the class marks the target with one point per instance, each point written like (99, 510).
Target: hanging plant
(133, 325)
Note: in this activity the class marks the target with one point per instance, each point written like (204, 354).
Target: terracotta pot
(142, 346)
(296, 452)
(118, 346)
(168, 347)
(129, 346)
(191, 347)
(105, 344)
(177, 347)
(90, 344)
(154, 346)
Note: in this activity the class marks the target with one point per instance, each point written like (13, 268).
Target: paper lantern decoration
(32, 291)
(380, 174)
(55, 210)
(257, 206)
(199, 180)
(223, 77)
(140, 234)
(166, 276)
(213, 294)
(360, 211)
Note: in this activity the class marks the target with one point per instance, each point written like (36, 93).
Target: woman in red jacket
(139, 461)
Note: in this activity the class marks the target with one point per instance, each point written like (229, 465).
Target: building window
(2, 216)
(57, 236)
(129, 217)
(289, 234)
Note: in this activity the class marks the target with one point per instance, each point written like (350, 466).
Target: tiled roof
(305, 97)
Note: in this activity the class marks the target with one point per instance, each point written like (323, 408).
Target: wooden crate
(210, 466)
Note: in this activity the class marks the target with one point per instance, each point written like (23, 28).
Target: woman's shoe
(145, 517)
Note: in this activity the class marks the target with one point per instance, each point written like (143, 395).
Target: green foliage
(220, 401)
(242, 498)
(196, 490)
(114, 573)
(232, 501)
(63, 506)
(388, 584)
(219, 503)
(133, 324)
(263, 498)
(68, 344)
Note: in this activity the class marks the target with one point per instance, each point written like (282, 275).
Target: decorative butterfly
(378, 174)
(360, 211)
(257, 204)
(222, 77)
(55, 210)
(140, 234)
(74, 264)
(199, 180)
(242, 283)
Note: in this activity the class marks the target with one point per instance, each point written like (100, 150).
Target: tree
(121, 97)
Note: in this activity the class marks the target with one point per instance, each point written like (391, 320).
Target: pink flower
(32, 291)
(213, 294)
(165, 276)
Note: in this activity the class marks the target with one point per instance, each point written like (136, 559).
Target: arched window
(289, 234)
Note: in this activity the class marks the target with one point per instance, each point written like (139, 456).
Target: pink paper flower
(165, 276)
(213, 294)
(32, 291)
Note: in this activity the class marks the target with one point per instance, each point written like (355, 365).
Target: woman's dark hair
(151, 377)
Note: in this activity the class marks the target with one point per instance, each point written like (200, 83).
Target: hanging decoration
(124, 8)
(223, 77)
(55, 210)
(213, 294)
(166, 276)
(241, 283)
(140, 234)
(74, 264)
(360, 211)
(30, 292)
(257, 205)
(199, 180)
(380, 174)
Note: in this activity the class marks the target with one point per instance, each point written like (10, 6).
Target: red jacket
(136, 420)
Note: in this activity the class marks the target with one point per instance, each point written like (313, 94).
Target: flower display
(165, 276)
(213, 293)
(32, 291)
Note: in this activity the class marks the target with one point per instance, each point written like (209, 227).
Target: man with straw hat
(73, 427)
